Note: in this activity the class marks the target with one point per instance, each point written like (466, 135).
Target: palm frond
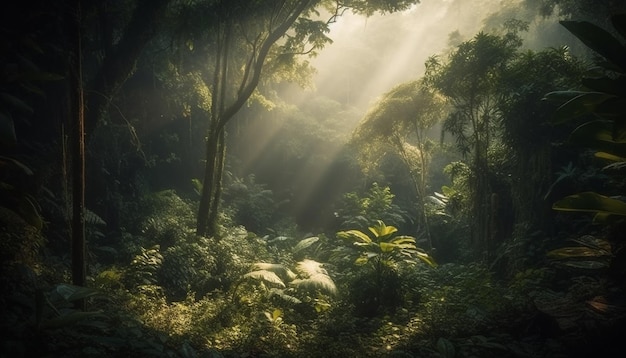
(304, 243)
(282, 271)
(308, 268)
(267, 276)
(318, 281)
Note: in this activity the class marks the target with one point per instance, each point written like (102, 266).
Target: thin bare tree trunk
(78, 156)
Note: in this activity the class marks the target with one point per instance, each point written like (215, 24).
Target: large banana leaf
(304, 243)
(356, 235)
(582, 103)
(609, 156)
(591, 202)
(267, 276)
(602, 136)
(599, 40)
(381, 231)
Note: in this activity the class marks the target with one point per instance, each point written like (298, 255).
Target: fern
(93, 218)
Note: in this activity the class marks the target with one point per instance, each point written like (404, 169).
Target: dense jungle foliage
(167, 191)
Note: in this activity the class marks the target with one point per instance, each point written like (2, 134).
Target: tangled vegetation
(290, 237)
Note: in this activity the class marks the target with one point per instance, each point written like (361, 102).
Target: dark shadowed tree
(401, 121)
(119, 48)
(470, 80)
(526, 129)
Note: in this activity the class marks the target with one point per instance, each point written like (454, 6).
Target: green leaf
(267, 276)
(282, 271)
(357, 235)
(429, 260)
(606, 219)
(599, 40)
(598, 135)
(403, 239)
(387, 247)
(380, 230)
(309, 268)
(73, 293)
(304, 243)
(591, 202)
(575, 252)
(609, 156)
(276, 313)
(582, 104)
(316, 282)
(197, 185)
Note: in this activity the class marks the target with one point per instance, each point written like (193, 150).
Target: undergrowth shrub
(169, 219)
(375, 285)
(460, 299)
(358, 210)
(189, 266)
(250, 204)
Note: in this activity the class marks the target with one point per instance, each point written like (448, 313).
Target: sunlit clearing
(371, 55)
(368, 57)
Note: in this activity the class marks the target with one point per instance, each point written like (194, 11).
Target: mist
(369, 56)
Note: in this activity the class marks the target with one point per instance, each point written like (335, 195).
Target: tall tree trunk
(120, 61)
(78, 154)
(217, 193)
(206, 224)
(221, 114)
(208, 184)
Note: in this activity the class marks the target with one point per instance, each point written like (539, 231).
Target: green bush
(359, 210)
(376, 286)
(189, 266)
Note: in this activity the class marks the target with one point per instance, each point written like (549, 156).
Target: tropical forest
(313, 178)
